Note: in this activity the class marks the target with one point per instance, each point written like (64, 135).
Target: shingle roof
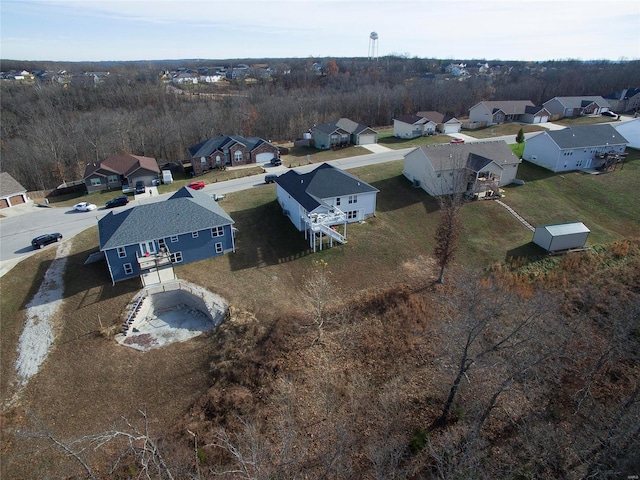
(122, 165)
(185, 211)
(411, 119)
(326, 181)
(436, 117)
(473, 155)
(509, 107)
(9, 185)
(577, 102)
(348, 126)
(586, 136)
(206, 148)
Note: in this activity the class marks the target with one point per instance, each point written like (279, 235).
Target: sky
(125, 30)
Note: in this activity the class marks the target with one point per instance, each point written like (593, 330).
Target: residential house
(575, 106)
(230, 150)
(625, 100)
(534, 114)
(144, 240)
(412, 126)
(120, 170)
(11, 192)
(630, 130)
(497, 112)
(341, 133)
(574, 148)
(446, 124)
(317, 201)
(477, 169)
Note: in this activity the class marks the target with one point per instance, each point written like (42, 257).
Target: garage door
(366, 139)
(451, 129)
(16, 200)
(4, 203)
(264, 157)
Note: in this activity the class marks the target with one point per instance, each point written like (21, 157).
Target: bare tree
(447, 232)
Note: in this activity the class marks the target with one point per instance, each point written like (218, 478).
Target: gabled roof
(326, 181)
(222, 143)
(578, 102)
(474, 156)
(122, 165)
(585, 136)
(436, 117)
(509, 107)
(534, 109)
(412, 119)
(344, 124)
(185, 211)
(9, 185)
(560, 229)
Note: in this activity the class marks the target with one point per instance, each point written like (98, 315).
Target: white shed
(561, 236)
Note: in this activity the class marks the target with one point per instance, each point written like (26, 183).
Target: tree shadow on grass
(269, 238)
(397, 192)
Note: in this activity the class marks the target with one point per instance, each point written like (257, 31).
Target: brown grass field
(88, 383)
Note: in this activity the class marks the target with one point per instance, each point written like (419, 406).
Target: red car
(198, 185)
(457, 140)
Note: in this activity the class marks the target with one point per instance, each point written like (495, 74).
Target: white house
(631, 131)
(446, 124)
(412, 126)
(563, 236)
(574, 148)
(318, 201)
(478, 169)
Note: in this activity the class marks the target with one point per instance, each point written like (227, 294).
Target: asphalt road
(29, 221)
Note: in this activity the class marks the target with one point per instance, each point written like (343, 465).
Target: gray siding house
(317, 201)
(574, 148)
(477, 169)
(187, 227)
(341, 133)
(575, 106)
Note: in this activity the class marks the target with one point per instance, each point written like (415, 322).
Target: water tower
(373, 46)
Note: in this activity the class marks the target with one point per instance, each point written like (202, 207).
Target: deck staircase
(132, 315)
(329, 232)
(319, 224)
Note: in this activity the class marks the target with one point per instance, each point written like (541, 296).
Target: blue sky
(95, 30)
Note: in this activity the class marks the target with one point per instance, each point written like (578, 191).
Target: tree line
(51, 132)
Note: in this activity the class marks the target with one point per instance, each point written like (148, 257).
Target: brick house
(230, 150)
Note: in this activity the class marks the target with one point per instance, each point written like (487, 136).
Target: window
(353, 214)
(194, 234)
(237, 156)
(353, 198)
(162, 243)
(176, 257)
(121, 252)
(128, 269)
(147, 248)
(217, 232)
(174, 239)
(95, 182)
(219, 247)
(218, 161)
(337, 201)
(113, 179)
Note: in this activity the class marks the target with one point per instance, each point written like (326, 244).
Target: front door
(147, 248)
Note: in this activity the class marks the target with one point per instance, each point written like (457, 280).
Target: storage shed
(563, 236)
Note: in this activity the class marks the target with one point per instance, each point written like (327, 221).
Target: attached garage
(11, 192)
(264, 157)
(367, 139)
(563, 236)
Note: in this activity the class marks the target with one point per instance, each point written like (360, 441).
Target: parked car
(196, 185)
(117, 202)
(140, 188)
(276, 162)
(84, 207)
(45, 239)
(457, 140)
(270, 178)
(610, 114)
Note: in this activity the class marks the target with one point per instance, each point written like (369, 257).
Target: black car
(117, 202)
(276, 162)
(140, 188)
(46, 239)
